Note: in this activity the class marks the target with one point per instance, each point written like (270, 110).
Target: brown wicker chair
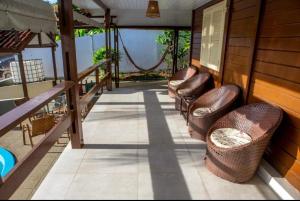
(217, 103)
(180, 76)
(191, 89)
(239, 164)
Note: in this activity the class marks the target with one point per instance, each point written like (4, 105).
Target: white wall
(140, 43)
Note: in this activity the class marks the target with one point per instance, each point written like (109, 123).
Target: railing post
(175, 51)
(116, 56)
(70, 69)
(108, 48)
(54, 65)
(23, 76)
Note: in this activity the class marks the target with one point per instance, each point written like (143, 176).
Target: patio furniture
(192, 89)
(237, 141)
(38, 126)
(179, 78)
(211, 106)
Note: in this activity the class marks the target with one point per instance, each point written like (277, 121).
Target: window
(212, 35)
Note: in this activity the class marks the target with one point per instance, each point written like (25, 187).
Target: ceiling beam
(101, 4)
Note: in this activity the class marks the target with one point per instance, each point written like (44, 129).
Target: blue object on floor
(7, 161)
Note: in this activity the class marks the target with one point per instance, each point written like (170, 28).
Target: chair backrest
(42, 125)
(195, 86)
(190, 72)
(219, 97)
(256, 119)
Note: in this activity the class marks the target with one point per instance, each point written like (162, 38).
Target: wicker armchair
(239, 164)
(211, 106)
(192, 89)
(179, 78)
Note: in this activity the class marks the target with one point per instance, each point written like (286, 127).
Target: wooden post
(54, 65)
(175, 51)
(70, 69)
(108, 48)
(116, 56)
(23, 76)
(118, 61)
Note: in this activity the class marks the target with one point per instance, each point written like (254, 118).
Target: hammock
(168, 50)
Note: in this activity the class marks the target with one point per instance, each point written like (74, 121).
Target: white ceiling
(132, 12)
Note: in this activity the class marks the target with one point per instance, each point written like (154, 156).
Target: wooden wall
(263, 57)
(241, 41)
(276, 79)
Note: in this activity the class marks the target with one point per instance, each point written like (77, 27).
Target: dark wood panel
(280, 71)
(242, 5)
(245, 13)
(277, 5)
(279, 57)
(277, 97)
(281, 17)
(282, 44)
(243, 28)
(280, 85)
(239, 42)
(240, 51)
(288, 30)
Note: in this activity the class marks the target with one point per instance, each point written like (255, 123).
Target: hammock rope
(168, 50)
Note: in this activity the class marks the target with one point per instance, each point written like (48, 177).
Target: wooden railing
(86, 101)
(15, 117)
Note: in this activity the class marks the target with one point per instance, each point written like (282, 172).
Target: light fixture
(153, 9)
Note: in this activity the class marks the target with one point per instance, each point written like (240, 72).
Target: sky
(51, 1)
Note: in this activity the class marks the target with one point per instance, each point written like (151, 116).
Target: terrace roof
(133, 12)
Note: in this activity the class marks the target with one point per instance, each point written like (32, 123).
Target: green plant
(166, 38)
(101, 54)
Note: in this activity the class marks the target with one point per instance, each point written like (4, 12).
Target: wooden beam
(70, 69)
(192, 38)
(54, 64)
(102, 16)
(162, 27)
(101, 4)
(253, 45)
(175, 51)
(87, 98)
(225, 39)
(90, 70)
(14, 117)
(23, 76)
(108, 48)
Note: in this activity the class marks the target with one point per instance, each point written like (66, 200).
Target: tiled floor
(138, 147)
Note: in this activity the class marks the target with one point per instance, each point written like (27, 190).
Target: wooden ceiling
(132, 12)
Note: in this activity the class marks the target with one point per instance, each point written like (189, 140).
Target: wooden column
(108, 48)
(54, 65)
(116, 58)
(70, 69)
(253, 46)
(23, 76)
(175, 51)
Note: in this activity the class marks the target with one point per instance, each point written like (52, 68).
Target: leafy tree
(166, 38)
(101, 53)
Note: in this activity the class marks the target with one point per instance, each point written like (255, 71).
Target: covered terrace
(127, 142)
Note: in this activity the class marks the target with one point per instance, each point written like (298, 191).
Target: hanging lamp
(153, 9)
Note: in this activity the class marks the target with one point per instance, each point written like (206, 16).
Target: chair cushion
(175, 83)
(202, 111)
(229, 138)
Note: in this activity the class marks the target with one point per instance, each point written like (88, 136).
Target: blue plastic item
(7, 161)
